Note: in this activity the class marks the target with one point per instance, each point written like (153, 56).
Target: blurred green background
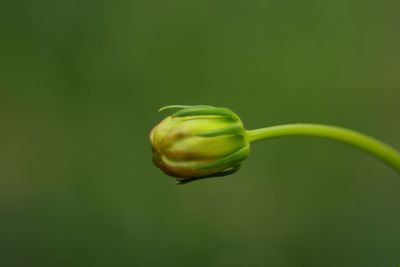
(80, 85)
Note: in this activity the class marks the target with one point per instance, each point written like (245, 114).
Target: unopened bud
(199, 141)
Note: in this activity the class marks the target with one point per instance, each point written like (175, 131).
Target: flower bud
(199, 142)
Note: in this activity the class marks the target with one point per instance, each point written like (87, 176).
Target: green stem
(371, 145)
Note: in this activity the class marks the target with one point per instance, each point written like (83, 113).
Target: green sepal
(233, 158)
(206, 111)
(173, 107)
(231, 130)
(227, 171)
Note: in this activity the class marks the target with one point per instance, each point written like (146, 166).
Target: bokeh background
(80, 85)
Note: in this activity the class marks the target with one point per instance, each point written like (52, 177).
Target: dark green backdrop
(80, 85)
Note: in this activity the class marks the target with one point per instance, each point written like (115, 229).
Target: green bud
(199, 142)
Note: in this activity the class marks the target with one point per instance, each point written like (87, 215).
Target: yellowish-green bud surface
(198, 142)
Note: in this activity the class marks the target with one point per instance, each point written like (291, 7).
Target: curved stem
(371, 145)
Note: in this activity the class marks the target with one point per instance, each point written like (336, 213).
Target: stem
(370, 145)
